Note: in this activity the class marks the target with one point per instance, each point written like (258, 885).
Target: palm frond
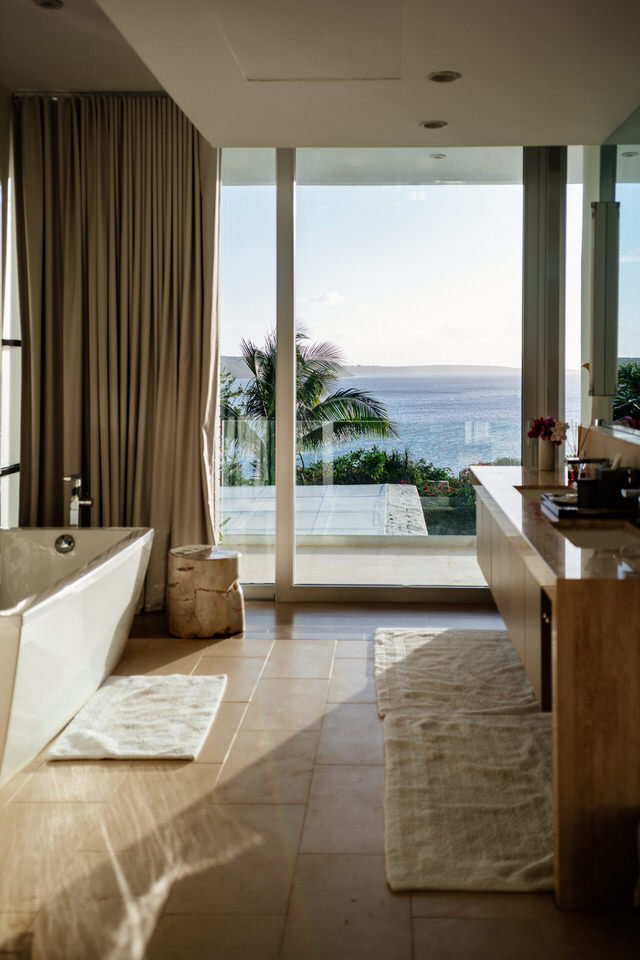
(311, 438)
(349, 403)
(260, 392)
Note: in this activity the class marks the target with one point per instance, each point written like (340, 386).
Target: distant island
(237, 367)
(434, 369)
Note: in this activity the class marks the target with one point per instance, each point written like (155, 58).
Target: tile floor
(271, 844)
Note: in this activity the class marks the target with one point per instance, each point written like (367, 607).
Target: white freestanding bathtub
(64, 621)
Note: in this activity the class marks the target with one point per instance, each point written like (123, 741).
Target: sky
(398, 275)
(629, 281)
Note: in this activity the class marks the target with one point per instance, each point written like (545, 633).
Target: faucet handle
(73, 476)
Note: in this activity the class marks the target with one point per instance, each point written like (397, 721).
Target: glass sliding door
(248, 359)
(408, 339)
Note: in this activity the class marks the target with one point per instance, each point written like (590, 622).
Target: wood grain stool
(204, 598)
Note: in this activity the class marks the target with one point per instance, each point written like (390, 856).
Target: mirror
(620, 181)
(627, 401)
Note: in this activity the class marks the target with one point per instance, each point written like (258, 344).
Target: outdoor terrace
(348, 534)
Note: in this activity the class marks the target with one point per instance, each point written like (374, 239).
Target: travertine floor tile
(287, 705)
(242, 674)
(36, 841)
(157, 664)
(352, 681)
(303, 659)
(118, 874)
(68, 928)
(506, 938)
(310, 631)
(264, 766)
(242, 861)
(222, 732)
(13, 927)
(9, 789)
(207, 937)
(158, 804)
(592, 936)
(345, 810)
(478, 905)
(354, 650)
(90, 781)
(135, 646)
(341, 908)
(351, 733)
(239, 646)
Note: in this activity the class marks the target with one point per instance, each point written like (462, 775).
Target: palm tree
(351, 412)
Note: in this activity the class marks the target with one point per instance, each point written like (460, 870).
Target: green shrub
(374, 466)
(626, 402)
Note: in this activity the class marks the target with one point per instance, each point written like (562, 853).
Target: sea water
(451, 420)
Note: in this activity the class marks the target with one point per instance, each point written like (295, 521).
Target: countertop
(554, 556)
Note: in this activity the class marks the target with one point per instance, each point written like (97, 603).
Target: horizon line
(402, 366)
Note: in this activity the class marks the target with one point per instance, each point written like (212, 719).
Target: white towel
(140, 718)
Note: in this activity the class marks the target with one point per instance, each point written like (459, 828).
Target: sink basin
(602, 538)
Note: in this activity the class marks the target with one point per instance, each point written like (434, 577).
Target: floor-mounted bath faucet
(76, 500)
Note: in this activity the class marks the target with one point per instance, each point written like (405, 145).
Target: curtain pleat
(117, 212)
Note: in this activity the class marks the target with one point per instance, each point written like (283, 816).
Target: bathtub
(64, 621)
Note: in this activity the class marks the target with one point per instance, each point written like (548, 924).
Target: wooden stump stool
(204, 597)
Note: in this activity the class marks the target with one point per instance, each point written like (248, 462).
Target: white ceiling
(73, 48)
(347, 72)
(308, 40)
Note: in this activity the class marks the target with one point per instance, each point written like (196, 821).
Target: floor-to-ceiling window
(408, 318)
(405, 344)
(248, 354)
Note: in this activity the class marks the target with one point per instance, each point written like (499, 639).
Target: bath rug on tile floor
(467, 768)
(448, 671)
(143, 718)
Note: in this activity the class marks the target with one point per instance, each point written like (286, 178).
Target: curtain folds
(117, 201)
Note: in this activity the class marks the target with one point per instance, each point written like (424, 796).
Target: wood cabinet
(573, 614)
(517, 593)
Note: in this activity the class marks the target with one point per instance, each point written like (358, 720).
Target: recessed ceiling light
(629, 153)
(49, 4)
(444, 76)
(437, 156)
(434, 124)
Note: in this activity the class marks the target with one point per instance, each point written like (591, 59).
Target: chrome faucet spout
(77, 500)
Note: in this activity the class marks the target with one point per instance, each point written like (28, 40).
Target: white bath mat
(467, 763)
(468, 803)
(143, 718)
(444, 670)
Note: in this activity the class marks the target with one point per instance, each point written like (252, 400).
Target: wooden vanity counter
(573, 613)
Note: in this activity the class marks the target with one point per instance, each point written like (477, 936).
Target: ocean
(452, 420)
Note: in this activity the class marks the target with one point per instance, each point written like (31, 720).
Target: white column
(543, 298)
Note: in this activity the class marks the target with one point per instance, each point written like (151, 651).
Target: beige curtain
(117, 211)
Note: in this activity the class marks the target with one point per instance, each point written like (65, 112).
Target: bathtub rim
(65, 583)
